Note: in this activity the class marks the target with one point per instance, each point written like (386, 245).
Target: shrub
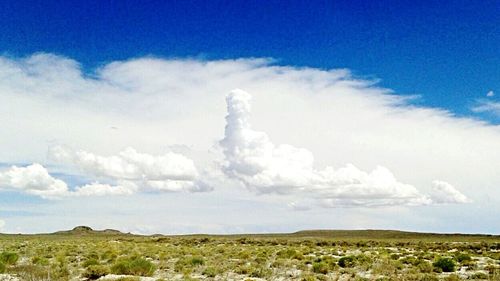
(197, 261)
(320, 267)
(347, 261)
(135, 266)
(210, 272)
(9, 258)
(445, 264)
(39, 261)
(260, 272)
(308, 278)
(90, 262)
(428, 277)
(59, 272)
(479, 275)
(243, 269)
(2, 267)
(30, 272)
(424, 266)
(463, 258)
(94, 272)
(286, 254)
(453, 277)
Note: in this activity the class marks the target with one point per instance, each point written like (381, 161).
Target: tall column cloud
(262, 166)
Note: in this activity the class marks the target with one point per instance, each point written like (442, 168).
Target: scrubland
(84, 254)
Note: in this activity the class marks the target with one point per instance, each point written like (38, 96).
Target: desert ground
(86, 254)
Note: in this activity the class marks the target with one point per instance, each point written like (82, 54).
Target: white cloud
(268, 168)
(129, 164)
(443, 192)
(168, 172)
(155, 103)
(487, 106)
(490, 94)
(33, 179)
(36, 180)
(97, 189)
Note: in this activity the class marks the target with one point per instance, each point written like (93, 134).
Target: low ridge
(86, 230)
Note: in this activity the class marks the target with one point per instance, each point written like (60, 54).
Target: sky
(239, 116)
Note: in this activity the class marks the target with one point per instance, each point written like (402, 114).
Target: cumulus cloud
(268, 168)
(35, 180)
(129, 164)
(168, 172)
(156, 102)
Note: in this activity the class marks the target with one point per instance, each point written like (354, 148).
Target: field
(85, 254)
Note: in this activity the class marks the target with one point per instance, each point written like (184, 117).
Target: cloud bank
(328, 118)
(268, 168)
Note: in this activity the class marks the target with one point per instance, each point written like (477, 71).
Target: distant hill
(359, 235)
(85, 230)
(382, 234)
(341, 235)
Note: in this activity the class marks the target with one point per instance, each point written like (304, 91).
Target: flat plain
(86, 254)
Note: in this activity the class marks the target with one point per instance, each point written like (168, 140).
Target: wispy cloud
(487, 106)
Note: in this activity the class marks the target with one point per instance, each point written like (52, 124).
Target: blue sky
(239, 116)
(445, 51)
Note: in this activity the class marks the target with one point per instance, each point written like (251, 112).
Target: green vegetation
(96, 271)
(134, 266)
(9, 258)
(445, 264)
(347, 261)
(84, 254)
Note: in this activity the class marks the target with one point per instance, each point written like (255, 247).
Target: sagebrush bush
(320, 267)
(445, 264)
(31, 272)
(197, 261)
(479, 275)
(347, 261)
(39, 261)
(424, 266)
(134, 266)
(210, 271)
(94, 272)
(463, 258)
(9, 258)
(90, 262)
